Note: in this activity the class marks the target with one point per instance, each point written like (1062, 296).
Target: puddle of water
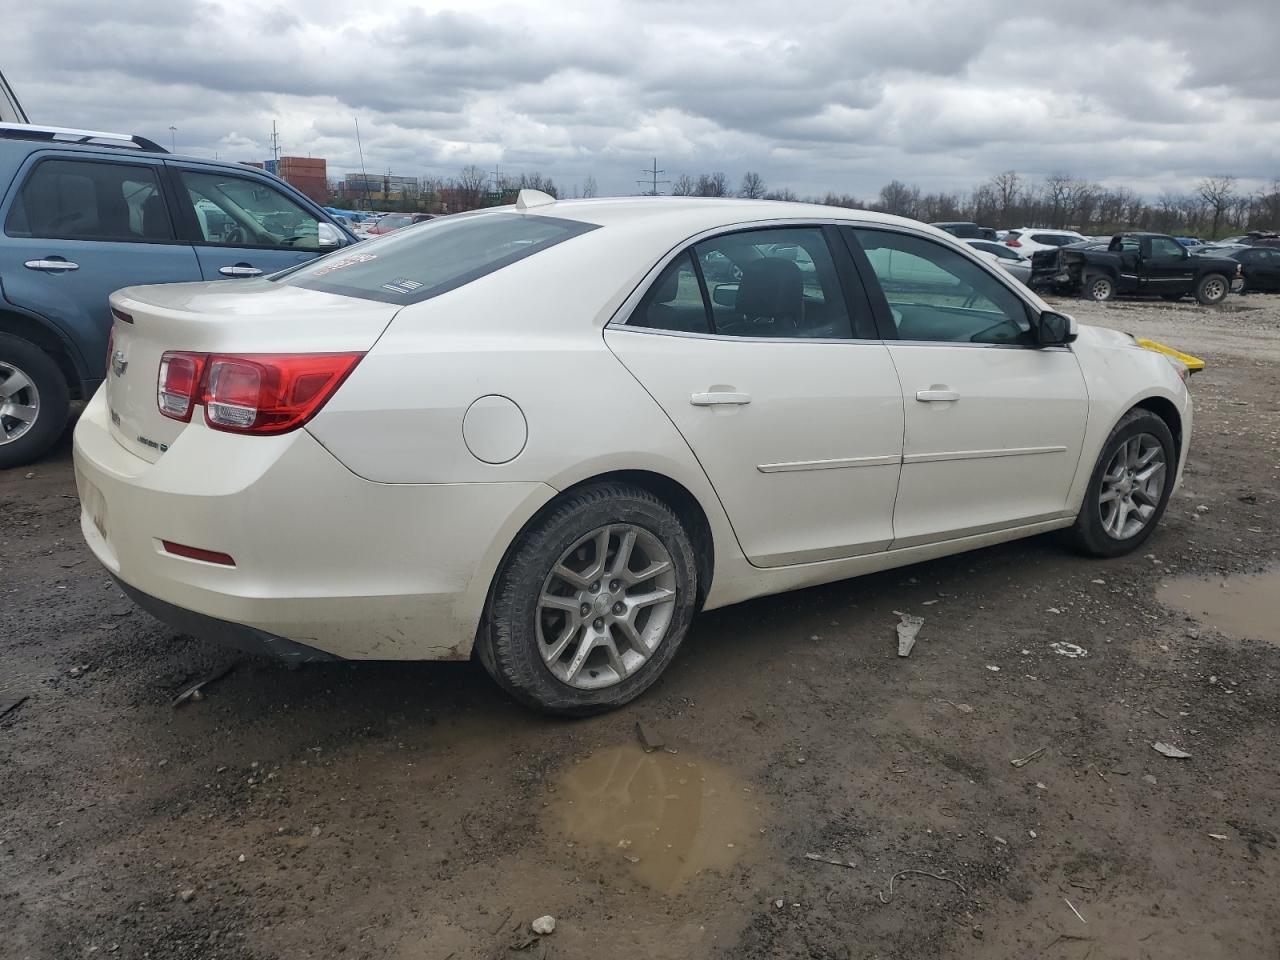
(1240, 606)
(663, 817)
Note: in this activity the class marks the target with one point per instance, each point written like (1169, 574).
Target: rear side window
(90, 200)
(414, 265)
(675, 301)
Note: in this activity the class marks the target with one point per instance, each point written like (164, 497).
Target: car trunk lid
(232, 317)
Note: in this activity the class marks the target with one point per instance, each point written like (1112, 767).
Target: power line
(652, 180)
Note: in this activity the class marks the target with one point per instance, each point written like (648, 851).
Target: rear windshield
(409, 266)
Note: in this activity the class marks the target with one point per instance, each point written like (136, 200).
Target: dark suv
(87, 213)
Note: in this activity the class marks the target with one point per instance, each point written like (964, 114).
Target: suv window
(91, 200)
(937, 294)
(242, 212)
(1165, 247)
(409, 266)
(1054, 239)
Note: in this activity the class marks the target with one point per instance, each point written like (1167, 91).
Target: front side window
(413, 265)
(1165, 247)
(935, 293)
(91, 200)
(241, 212)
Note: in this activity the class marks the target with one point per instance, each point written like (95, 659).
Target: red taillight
(198, 553)
(254, 393)
(1012, 243)
(180, 375)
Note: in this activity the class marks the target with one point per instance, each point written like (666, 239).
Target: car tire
(29, 377)
(1095, 531)
(1212, 289)
(531, 608)
(1098, 286)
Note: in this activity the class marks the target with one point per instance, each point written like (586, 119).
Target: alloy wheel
(1215, 290)
(606, 606)
(1132, 486)
(1101, 289)
(19, 403)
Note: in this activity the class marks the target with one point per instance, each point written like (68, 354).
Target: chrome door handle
(716, 399)
(240, 270)
(936, 396)
(51, 266)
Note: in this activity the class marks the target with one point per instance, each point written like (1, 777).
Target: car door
(767, 361)
(994, 424)
(79, 226)
(1268, 269)
(1166, 267)
(244, 226)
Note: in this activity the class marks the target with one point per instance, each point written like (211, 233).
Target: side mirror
(1055, 329)
(328, 236)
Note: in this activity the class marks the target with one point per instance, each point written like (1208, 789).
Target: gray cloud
(831, 94)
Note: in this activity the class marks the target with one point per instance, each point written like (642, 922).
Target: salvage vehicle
(1009, 259)
(1260, 269)
(1145, 264)
(1028, 240)
(544, 436)
(86, 213)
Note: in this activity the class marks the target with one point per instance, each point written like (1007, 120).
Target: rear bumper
(323, 558)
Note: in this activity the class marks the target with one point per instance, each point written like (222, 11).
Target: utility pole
(651, 179)
(275, 143)
(496, 181)
(173, 138)
(364, 176)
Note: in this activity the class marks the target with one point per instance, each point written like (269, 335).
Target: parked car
(966, 230)
(1029, 240)
(1008, 259)
(1134, 263)
(86, 213)
(1259, 267)
(376, 457)
(391, 222)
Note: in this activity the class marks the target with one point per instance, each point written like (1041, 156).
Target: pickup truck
(1143, 264)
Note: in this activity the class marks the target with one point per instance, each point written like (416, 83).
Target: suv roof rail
(26, 131)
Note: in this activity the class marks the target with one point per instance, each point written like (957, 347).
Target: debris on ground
(649, 738)
(1023, 761)
(1074, 910)
(190, 691)
(8, 706)
(819, 858)
(962, 707)
(908, 627)
(1219, 836)
(544, 926)
(1170, 751)
(1066, 649)
(921, 873)
(186, 895)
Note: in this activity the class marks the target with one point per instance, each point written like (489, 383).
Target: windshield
(434, 257)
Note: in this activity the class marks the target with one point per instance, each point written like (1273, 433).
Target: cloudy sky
(814, 95)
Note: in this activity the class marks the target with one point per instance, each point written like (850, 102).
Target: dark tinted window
(935, 293)
(412, 265)
(90, 200)
(1054, 240)
(998, 249)
(674, 302)
(1166, 247)
(244, 212)
(776, 283)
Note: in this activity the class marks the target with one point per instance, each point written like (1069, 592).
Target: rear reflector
(254, 393)
(121, 315)
(197, 553)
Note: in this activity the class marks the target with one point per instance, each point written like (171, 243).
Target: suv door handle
(51, 266)
(240, 270)
(716, 399)
(936, 396)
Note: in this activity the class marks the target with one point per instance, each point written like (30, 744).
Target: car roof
(695, 214)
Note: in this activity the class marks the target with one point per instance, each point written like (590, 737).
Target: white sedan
(546, 435)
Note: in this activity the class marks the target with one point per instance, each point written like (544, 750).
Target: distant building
(376, 186)
(307, 174)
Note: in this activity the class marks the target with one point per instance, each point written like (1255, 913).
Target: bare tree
(783, 193)
(471, 186)
(713, 185)
(684, 186)
(1007, 186)
(589, 186)
(897, 198)
(1216, 192)
(752, 186)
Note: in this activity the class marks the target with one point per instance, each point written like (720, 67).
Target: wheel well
(687, 508)
(1166, 411)
(33, 331)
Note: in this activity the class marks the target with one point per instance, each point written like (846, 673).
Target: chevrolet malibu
(546, 435)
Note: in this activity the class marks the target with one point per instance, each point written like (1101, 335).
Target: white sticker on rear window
(338, 264)
(402, 285)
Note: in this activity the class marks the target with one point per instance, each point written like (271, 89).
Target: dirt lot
(403, 812)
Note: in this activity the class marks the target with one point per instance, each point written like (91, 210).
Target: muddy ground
(412, 811)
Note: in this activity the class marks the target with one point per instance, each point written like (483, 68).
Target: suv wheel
(1129, 487)
(592, 602)
(34, 401)
(1212, 288)
(1098, 286)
